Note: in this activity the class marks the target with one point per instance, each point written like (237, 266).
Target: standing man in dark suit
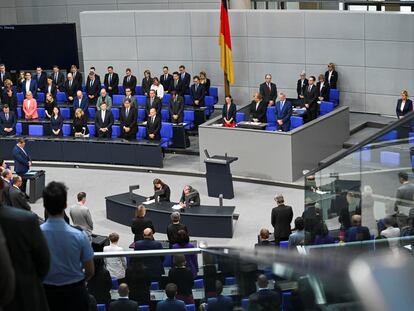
(123, 303)
(6, 177)
(70, 88)
(103, 122)
(197, 92)
(176, 108)
(4, 75)
(58, 78)
(258, 109)
(220, 303)
(268, 90)
(153, 102)
(301, 85)
(171, 304)
(154, 125)
(22, 161)
(29, 85)
(93, 86)
(331, 76)
(8, 121)
(30, 257)
(311, 100)
(17, 197)
(111, 81)
(323, 89)
(77, 76)
(282, 216)
(130, 81)
(166, 79)
(154, 264)
(185, 78)
(81, 102)
(264, 299)
(405, 193)
(97, 77)
(176, 84)
(128, 119)
(283, 113)
(41, 79)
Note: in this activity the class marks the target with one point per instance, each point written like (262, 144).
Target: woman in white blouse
(157, 87)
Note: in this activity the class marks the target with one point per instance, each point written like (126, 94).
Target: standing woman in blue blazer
(229, 112)
(56, 122)
(404, 105)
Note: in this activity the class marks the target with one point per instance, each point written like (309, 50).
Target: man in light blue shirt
(298, 237)
(71, 252)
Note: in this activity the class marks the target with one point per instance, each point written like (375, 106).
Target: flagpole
(226, 85)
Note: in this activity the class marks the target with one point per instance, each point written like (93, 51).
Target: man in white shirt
(115, 265)
(80, 214)
(392, 234)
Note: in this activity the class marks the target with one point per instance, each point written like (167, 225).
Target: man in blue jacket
(171, 304)
(283, 113)
(220, 303)
(22, 161)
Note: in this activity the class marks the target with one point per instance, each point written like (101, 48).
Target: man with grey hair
(282, 216)
(268, 90)
(104, 98)
(283, 113)
(301, 85)
(174, 227)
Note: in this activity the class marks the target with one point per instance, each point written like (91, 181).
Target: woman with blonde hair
(404, 105)
(140, 223)
(80, 124)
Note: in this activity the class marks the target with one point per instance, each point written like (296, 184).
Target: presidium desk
(201, 221)
(87, 150)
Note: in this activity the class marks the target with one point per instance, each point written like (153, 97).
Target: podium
(37, 184)
(218, 175)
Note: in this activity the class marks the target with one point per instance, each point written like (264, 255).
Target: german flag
(226, 58)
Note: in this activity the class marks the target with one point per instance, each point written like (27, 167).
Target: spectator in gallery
(115, 265)
(183, 241)
(174, 227)
(100, 284)
(268, 90)
(281, 218)
(176, 108)
(8, 121)
(146, 82)
(80, 124)
(180, 275)
(229, 112)
(157, 87)
(50, 87)
(161, 190)
(301, 85)
(205, 82)
(190, 197)
(171, 303)
(123, 303)
(80, 214)
(357, 232)
(50, 103)
(331, 76)
(140, 223)
(104, 98)
(56, 122)
(404, 105)
(130, 81)
(139, 280)
(297, 238)
(30, 107)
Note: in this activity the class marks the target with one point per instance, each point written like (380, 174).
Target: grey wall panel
(156, 48)
(111, 23)
(343, 52)
(273, 24)
(141, 1)
(389, 81)
(109, 48)
(276, 50)
(8, 4)
(177, 24)
(205, 48)
(383, 104)
(389, 26)
(142, 6)
(331, 25)
(193, 6)
(36, 3)
(200, 20)
(8, 16)
(389, 54)
(355, 101)
(32, 15)
(73, 2)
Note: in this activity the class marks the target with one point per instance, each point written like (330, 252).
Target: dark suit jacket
(33, 88)
(97, 77)
(146, 85)
(53, 90)
(166, 83)
(6, 194)
(30, 257)
(299, 89)
(268, 94)
(154, 127)
(357, 233)
(186, 81)
(311, 98)
(176, 108)
(131, 84)
(79, 79)
(3, 78)
(198, 94)
(139, 224)
(229, 113)
(83, 104)
(100, 285)
(41, 81)
(156, 103)
(220, 303)
(130, 121)
(171, 305)
(114, 83)
(18, 198)
(260, 113)
(93, 90)
(71, 91)
(123, 305)
(282, 216)
(154, 264)
(324, 92)
(265, 300)
(11, 101)
(59, 81)
(56, 124)
(108, 122)
(179, 88)
(408, 107)
(334, 79)
(21, 160)
(284, 114)
(11, 122)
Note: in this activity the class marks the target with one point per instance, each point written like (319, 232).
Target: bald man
(154, 264)
(264, 298)
(357, 232)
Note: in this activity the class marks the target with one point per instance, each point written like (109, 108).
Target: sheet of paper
(149, 202)
(176, 207)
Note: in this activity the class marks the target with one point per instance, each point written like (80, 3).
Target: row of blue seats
(295, 121)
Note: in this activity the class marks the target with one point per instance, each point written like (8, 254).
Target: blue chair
(19, 128)
(392, 135)
(189, 119)
(334, 96)
(92, 112)
(138, 90)
(116, 131)
(41, 97)
(65, 112)
(325, 108)
(144, 308)
(67, 130)
(165, 115)
(166, 99)
(141, 114)
(389, 158)
(101, 307)
(61, 97)
(214, 92)
(155, 286)
(121, 90)
(20, 98)
(41, 112)
(188, 101)
(287, 300)
(198, 283)
(142, 134)
(166, 134)
(84, 88)
(209, 102)
(230, 280)
(35, 130)
(115, 113)
(19, 112)
(91, 128)
(240, 117)
(245, 303)
(284, 244)
(117, 100)
(190, 307)
(295, 122)
(271, 118)
(141, 100)
(411, 138)
(115, 283)
(167, 261)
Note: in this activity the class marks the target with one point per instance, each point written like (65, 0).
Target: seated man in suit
(132, 99)
(264, 299)
(190, 197)
(103, 122)
(258, 109)
(130, 81)
(71, 88)
(220, 303)
(171, 304)
(128, 119)
(197, 92)
(80, 102)
(123, 303)
(311, 100)
(323, 89)
(8, 121)
(41, 79)
(17, 197)
(166, 79)
(176, 108)
(268, 90)
(29, 85)
(357, 232)
(154, 125)
(58, 78)
(104, 98)
(176, 84)
(283, 113)
(111, 81)
(153, 102)
(93, 86)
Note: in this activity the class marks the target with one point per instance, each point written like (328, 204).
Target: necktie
(196, 86)
(1, 77)
(152, 120)
(103, 116)
(91, 83)
(7, 116)
(182, 76)
(268, 85)
(281, 105)
(56, 78)
(80, 100)
(152, 100)
(109, 79)
(165, 77)
(175, 83)
(129, 77)
(70, 83)
(310, 88)
(127, 112)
